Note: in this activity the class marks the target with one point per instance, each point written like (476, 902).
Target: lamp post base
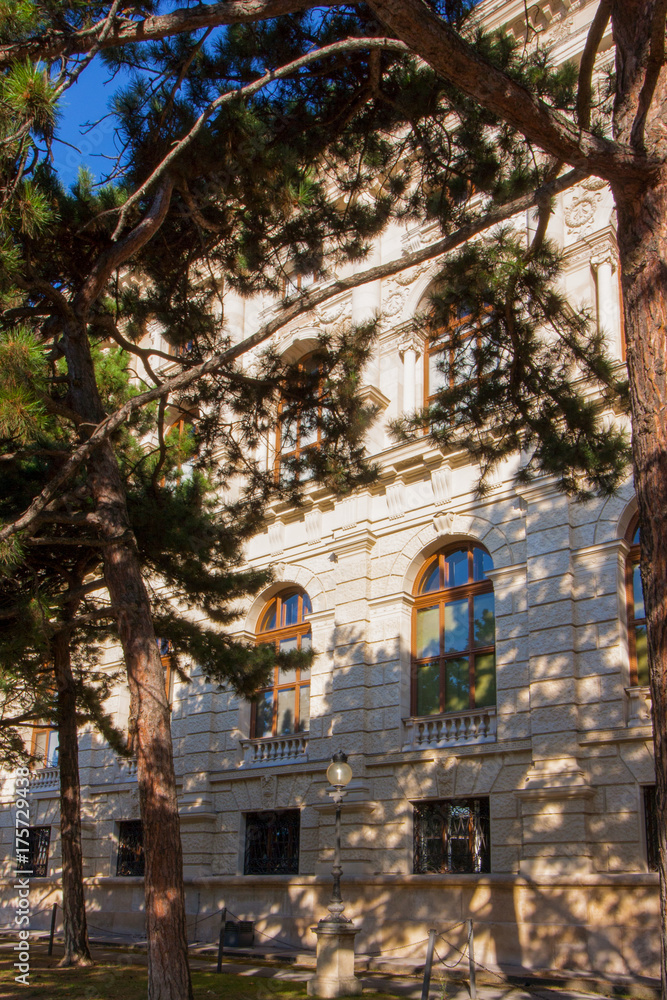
(334, 976)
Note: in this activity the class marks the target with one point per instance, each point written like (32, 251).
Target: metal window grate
(130, 848)
(39, 839)
(651, 826)
(452, 836)
(272, 843)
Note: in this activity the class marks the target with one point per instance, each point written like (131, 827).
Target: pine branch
(125, 31)
(584, 90)
(455, 60)
(302, 305)
(347, 45)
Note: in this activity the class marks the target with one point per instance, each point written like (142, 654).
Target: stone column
(409, 349)
(607, 307)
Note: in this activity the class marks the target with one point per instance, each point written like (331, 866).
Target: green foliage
(525, 374)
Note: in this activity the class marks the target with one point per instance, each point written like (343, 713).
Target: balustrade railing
(477, 725)
(45, 778)
(275, 749)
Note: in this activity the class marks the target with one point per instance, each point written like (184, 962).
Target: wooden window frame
(633, 559)
(36, 731)
(127, 855)
(275, 636)
(440, 597)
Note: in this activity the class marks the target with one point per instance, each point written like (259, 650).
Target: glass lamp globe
(339, 771)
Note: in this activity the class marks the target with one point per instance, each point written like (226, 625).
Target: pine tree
(480, 116)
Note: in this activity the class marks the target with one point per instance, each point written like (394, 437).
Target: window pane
(481, 563)
(306, 641)
(290, 610)
(304, 708)
(457, 680)
(264, 714)
(456, 625)
(641, 650)
(307, 606)
(41, 741)
(456, 573)
(307, 431)
(268, 621)
(485, 680)
(465, 367)
(52, 753)
(484, 620)
(431, 578)
(286, 701)
(428, 632)
(637, 593)
(428, 688)
(438, 373)
(288, 645)
(635, 537)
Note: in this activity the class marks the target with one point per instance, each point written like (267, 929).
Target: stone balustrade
(45, 778)
(126, 768)
(275, 749)
(477, 725)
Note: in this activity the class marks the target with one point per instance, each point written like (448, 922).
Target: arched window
(451, 357)
(636, 613)
(284, 706)
(298, 428)
(453, 633)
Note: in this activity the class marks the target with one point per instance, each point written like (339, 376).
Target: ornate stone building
(481, 662)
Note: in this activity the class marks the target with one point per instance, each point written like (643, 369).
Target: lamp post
(339, 774)
(334, 975)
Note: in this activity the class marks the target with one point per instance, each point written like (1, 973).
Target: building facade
(481, 662)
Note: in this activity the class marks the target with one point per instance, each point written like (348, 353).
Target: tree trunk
(168, 972)
(643, 251)
(640, 111)
(77, 951)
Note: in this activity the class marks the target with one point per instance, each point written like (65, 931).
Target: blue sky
(86, 101)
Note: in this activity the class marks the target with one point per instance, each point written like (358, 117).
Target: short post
(54, 912)
(221, 939)
(426, 985)
(471, 961)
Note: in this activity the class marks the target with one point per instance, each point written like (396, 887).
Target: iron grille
(130, 848)
(272, 843)
(452, 836)
(651, 822)
(39, 838)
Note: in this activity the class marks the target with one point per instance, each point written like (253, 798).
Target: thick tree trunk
(168, 972)
(643, 250)
(640, 112)
(77, 951)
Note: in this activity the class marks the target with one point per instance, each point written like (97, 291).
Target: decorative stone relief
(276, 537)
(396, 500)
(441, 481)
(447, 524)
(347, 513)
(268, 786)
(410, 342)
(313, 522)
(580, 212)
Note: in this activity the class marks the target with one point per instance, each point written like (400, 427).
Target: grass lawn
(124, 981)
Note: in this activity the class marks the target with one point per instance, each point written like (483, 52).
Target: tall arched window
(451, 358)
(636, 612)
(453, 633)
(284, 706)
(298, 427)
